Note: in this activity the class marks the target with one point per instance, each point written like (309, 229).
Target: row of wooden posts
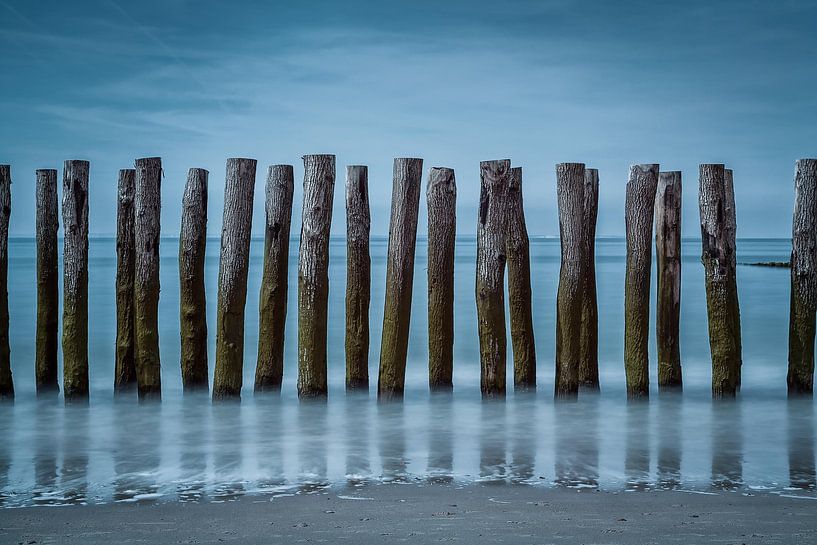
(501, 238)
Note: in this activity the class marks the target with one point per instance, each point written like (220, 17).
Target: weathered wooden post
(570, 198)
(48, 305)
(272, 305)
(358, 278)
(730, 220)
(716, 260)
(490, 289)
(668, 257)
(313, 274)
(6, 382)
(519, 288)
(441, 197)
(234, 262)
(640, 206)
(192, 293)
(800, 377)
(125, 364)
(148, 206)
(75, 280)
(589, 343)
(405, 204)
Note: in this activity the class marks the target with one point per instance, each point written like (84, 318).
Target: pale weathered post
(720, 303)
(313, 274)
(239, 190)
(358, 277)
(589, 343)
(519, 288)
(48, 304)
(639, 209)
(490, 278)
(6, 382)
(124, 378)
(441, 197)
(800, 377)
(570, 198)
(147, 227)
(730, 220)
(668, 258)
(405, 204)
(75, 280)
(272, 301)
(192, 293)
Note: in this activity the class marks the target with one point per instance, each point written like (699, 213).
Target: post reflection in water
(727, 444)
(492, 441)
(137, 436)
(577, 450)
(46, 424)
(357, 424)
(801, 443)
(311, 437)
(523, 442)
(392, 441)
(228, 457)
(193, 441)
(75, 439)
(440, 442)
(670, 440)
(637, 451)
(270, 438)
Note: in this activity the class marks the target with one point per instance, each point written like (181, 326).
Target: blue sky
(605, 83)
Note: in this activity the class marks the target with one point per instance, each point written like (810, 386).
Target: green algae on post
(48, 294)
(668, 258)
(358, 277)
(589, 341)
(124, 379)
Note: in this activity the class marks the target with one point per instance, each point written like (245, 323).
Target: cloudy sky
(454, 82)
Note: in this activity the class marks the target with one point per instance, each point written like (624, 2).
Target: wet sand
(473, 514)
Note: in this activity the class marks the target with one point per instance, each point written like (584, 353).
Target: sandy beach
(412, 513)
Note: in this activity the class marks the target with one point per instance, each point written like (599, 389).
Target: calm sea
(190, 450)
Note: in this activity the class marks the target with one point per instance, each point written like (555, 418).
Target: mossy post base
(570, 197)
(75, 281)
(722, 311)
(192, 293)
(441, 197)
(234, 263)
(639, 211)
(272, 301)
(589, 343)
(800, 377)
(48, 304)
(358, 278)
(730, 221)
(313, 274)
(124, 378)
(492, 225)
(405, 204)
(147, 227)
(668, 258)
(6, 382)
(519, 288)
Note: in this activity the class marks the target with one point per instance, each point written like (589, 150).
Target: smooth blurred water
(188, 449)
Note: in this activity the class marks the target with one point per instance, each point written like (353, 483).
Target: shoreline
(431, 513)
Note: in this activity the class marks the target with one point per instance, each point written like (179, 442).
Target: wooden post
(239, 190)
(441, 197)
(640, 206)
(148, 206)
(490, 289)
(48, 304)
(313, 274)
(358, 278)
(272, 305)
(730, 220)
(668, 257)
(6, 381)
(405, 204)
(519, 288)
(192, 292)
(75, 280)
(125, 364)
(800, 377)
(570, 197)
(589, 342)
(716, 261)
